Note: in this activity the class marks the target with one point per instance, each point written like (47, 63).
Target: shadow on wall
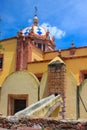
(43, 86)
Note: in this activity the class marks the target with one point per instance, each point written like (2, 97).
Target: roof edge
(9, 38)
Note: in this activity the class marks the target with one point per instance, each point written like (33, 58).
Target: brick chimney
(56, 80)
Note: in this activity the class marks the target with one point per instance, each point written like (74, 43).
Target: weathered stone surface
(56, 81)
(26, 123)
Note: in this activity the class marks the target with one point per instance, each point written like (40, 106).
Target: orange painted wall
(9, 58)
(76, 65)
(40, 67)
(65, 53)
(37, 54)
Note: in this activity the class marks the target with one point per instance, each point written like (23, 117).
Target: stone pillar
(56, 81)
(22, 53)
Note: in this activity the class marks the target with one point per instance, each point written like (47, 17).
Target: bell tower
(30, 36)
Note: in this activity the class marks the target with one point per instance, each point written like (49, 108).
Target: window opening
(19, 104)
(85, 76)
(1, 62)
(43, 47)
(39, 45)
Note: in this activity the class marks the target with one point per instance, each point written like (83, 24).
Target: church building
(31, 69)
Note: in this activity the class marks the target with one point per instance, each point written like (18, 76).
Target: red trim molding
(63, 58)
(74, 57)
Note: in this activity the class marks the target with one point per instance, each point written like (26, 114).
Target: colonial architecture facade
(31, 68)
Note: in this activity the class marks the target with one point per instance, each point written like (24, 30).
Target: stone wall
(24, 123)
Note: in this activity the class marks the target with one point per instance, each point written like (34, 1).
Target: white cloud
(56, 32)
(29, 20)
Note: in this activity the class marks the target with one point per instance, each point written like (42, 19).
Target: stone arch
(70, 95)
(19, 85)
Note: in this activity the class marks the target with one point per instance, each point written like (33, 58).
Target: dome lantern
(35, 19)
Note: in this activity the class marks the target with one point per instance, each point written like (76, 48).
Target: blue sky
(67, 19)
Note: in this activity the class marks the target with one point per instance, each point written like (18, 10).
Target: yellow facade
(83, 100)
(31, 69)
(76, 65)
(39, 65)
(9, 56)
(37, 54)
